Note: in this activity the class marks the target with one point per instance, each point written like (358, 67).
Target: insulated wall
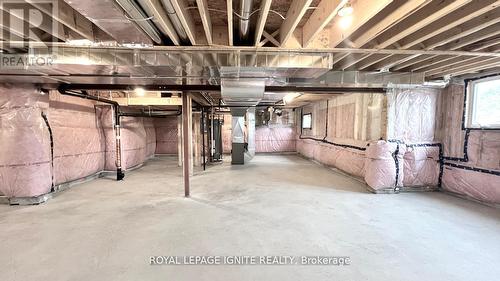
(25, 153)
(78, 138)
(166, 135)
(278, 134)
(472, 157)
(51, 139)
(138, 138)
(348, 133)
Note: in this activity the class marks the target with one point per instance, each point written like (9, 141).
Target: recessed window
(307, 121)
(484, 103)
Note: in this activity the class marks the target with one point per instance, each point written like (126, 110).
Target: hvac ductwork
(137, 14)
(174, 18)
(242, 92)
(245, 12)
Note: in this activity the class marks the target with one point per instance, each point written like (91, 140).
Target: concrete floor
(276, 205)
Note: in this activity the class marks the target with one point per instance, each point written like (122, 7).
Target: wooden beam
(410, 62)
(271, 38)
(423, 17)
(390, 62)
(205, 19)
(69, 17)
(363, 10)
(265, 5)
(373, 59)
(295, 13)
(264, 42)
(350, 60)
(180, 7)
(463, 30)
(481, 68)
(321, 17)
(465, 67)
(403, 10)
(466, 13)
(473, 38)
(230, 35)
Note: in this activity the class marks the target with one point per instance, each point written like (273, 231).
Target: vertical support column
(187, 132)
(251, 131)
(179, 140)
(197, 139)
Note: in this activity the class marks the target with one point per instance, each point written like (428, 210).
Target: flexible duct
(245, 11)
(172, 15)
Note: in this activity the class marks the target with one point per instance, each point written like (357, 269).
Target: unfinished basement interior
(249, 140)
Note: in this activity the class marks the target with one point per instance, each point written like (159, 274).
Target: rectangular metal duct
(242, 92)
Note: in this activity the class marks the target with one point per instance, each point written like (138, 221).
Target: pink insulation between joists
(275, 139)
(166, 135)
(25, 168)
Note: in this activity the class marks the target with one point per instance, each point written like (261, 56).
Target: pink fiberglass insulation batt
(481, 186)
(25, 168)
(275, 139)
(136, 133)
(78, 136)
(166, 135)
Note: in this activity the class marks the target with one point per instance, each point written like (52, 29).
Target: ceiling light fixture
(346, 10)
(345, 22)
(140, 92)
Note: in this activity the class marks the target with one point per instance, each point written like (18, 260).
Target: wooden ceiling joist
(265, 6)
(295, 13)
(205, 19)
(473, 38)
(320, 18)
(466, 13)
(423, 17)
(229, 7)
(472, 65)
(363, 11)
(463, 30)
(182, 11)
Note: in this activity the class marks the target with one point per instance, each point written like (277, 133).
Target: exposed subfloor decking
(275, 205)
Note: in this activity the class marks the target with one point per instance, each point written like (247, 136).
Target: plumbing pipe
(116, 108)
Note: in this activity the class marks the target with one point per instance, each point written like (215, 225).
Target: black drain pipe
(116, 108)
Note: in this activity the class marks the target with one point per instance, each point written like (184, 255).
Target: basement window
(484, 103)
(307, 121)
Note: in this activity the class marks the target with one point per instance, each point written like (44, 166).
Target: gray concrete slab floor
(274, 205)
